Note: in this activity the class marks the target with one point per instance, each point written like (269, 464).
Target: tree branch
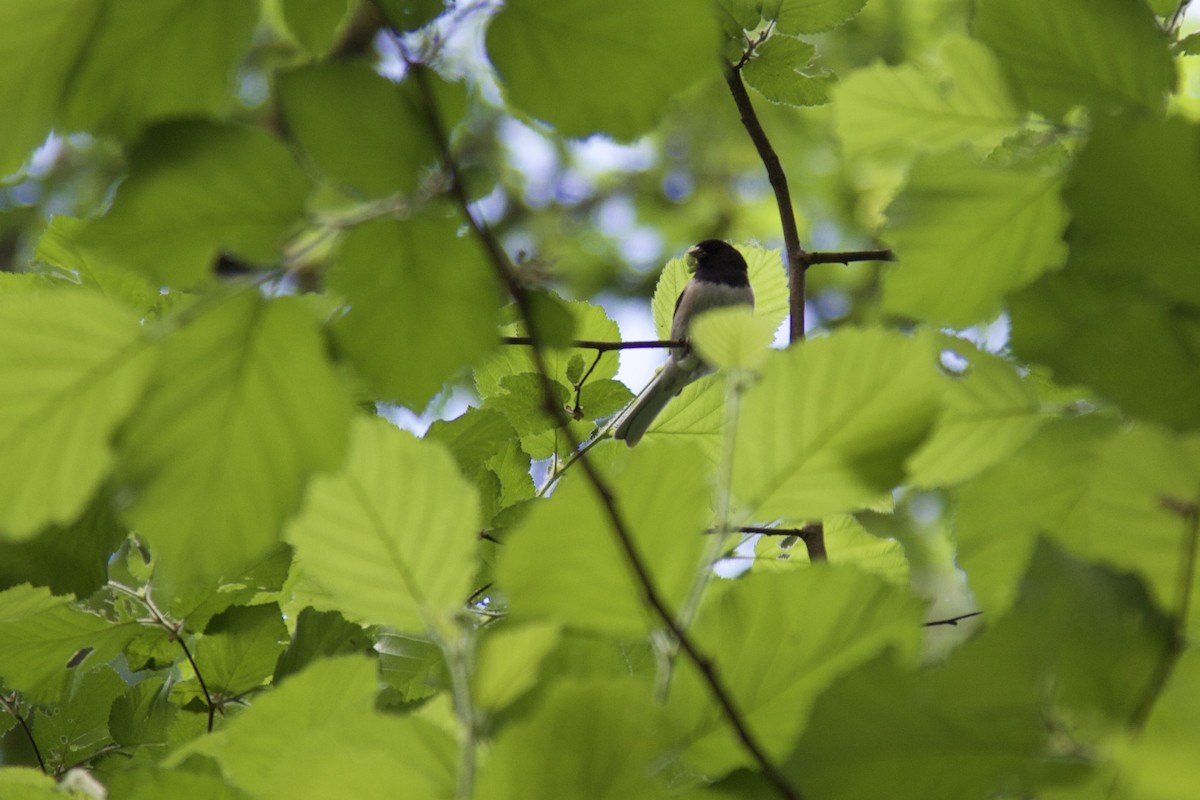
(849, 256)
(798, 259)
(507, 274)
(12, 705)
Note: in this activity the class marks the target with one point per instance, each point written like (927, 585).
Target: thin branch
(593, 344)
(952, 620)
(13, 706)
(798, 259)
(174, 630)
(848, 256)
(508, 276)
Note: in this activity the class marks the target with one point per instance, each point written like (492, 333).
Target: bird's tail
(635, 420)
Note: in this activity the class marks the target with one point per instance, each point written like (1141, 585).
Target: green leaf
(1093, 489)
(195, 190)
(776, 661)
(982, 230)
(73, 366)
(317, 24)
(1106, 54)
(990, 411)
(152, 783)
(848, 544)
(77, 729)
(112, 67)
(783, 72)
(732, 338)
(767, 278)
(41, 637)
(67, 560)
(1160, 763)
(28, 783)
(1129, 344)
(328, 105)
(143, 715)
(816, 438)
(423, 303)
(882, 106)
(243, 408)
(238, 650)
(563, 562)
(319, 634)
(564, 748)
(1149, 230)
(296, 741)
(508, 663)
(585, 69)
(392, 535)
(984, 709)
(809, 16)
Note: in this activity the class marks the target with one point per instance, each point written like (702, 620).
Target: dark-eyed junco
(720, 279)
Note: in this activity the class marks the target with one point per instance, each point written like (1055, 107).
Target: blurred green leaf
(423, 304)
(808, 16)
(1106, 54)
(880, 106)
(74, 366)
(114, 66)
(242, 409)
(585, 69)
(776, 657)
(197, 190)
(362, 129)
(982, 230)
(316, 24)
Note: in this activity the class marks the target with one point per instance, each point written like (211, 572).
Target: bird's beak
(690, 259)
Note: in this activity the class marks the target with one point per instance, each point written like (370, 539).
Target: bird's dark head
(718, 262)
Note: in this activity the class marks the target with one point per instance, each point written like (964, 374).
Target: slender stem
(952, 620)
(12, 706)
(458, 659)
(174, 630)
(620, 528)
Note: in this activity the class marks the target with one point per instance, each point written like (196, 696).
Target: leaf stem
(12, 705)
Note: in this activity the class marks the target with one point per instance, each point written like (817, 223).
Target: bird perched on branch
(720, 278)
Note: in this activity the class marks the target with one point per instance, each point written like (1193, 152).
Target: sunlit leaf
(242, 409)
(73, 365)
(393, 534)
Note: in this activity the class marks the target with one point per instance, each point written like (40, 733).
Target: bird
(720, 279)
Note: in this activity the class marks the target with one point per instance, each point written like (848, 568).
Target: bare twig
(848, 256)
(952, 620)
(12, 705)
(620, 528)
